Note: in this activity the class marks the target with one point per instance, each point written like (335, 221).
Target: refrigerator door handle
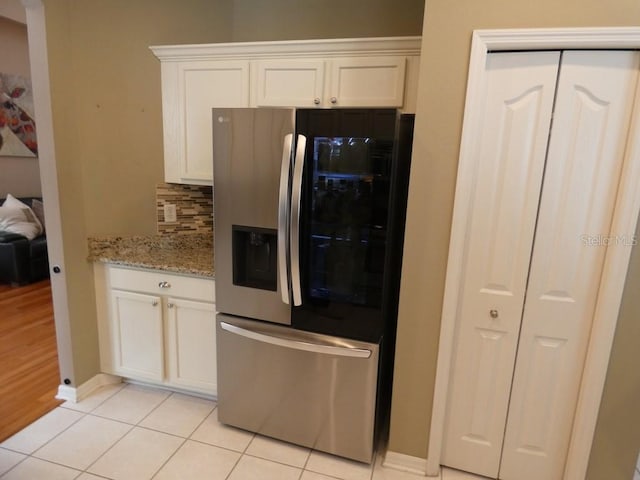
(294, 240)
(351, 352)
(283, 219)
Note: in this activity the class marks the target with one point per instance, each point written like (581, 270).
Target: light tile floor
(131, 432)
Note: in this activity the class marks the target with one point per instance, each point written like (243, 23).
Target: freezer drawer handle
(297, 345)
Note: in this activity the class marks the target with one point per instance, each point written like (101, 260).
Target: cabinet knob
(164, 285)
(316, 101)
(334, 100)
(154, 303)
(493, 313)
(169, 305)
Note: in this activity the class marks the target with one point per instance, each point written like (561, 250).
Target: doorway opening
(28, 350)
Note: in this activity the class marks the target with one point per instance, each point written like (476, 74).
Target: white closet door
(510, 162)
(586, 149)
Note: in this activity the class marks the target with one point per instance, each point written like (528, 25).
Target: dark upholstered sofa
(22, 261)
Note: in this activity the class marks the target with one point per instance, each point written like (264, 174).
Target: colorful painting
(17, 124)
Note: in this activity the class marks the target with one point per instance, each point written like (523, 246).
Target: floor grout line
(80, 472)
(31, 454)
(241, 455)
(184, 440)
(154, 408)
(91, 464)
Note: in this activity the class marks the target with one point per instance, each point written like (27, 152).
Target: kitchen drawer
(314, 390)
(161, 283)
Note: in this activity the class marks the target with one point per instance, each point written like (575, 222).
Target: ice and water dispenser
(255, 257)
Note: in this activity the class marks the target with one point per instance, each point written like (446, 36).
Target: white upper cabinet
(367, 82)
(287, 83)
(189, 90)
(341, 82)
(363, 72)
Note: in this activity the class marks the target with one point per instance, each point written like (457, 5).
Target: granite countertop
(187, 254)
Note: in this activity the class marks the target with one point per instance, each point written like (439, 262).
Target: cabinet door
(137, 341)
(191, 339)
(289, 83)
(367, 82)
(190, 90)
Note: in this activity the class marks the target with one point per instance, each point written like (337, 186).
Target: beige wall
(105, 85)
(617, 440)
(106, 103)
(445, 55)
(305, 19)
(19, 176)
(13, 10)
(114, 109)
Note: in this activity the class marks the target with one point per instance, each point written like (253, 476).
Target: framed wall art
(17, 124)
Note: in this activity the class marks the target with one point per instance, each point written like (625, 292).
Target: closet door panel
(510, 160)
(586, 151)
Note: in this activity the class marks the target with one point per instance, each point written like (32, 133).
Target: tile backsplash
(194, 208)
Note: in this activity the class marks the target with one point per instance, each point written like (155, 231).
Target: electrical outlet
(170, 215)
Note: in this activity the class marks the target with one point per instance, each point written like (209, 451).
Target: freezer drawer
(309, 389)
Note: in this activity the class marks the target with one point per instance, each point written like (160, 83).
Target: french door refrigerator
(309, 222)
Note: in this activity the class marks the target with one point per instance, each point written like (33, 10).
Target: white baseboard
(405, 463)
(171, 388)
(75, 394)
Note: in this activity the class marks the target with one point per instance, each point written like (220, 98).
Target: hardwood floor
(29, 373)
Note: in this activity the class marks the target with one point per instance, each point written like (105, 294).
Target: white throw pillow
(38, 208)
(13, 202)
(15, 220)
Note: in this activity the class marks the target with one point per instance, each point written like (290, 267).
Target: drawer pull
(164, 285)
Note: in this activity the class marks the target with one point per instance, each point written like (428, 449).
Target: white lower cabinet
(137, 333)
(157, 328)
(191, 334)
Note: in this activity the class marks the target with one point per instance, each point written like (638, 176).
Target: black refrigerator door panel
(348, 188)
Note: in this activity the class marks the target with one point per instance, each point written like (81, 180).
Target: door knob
(493, 313)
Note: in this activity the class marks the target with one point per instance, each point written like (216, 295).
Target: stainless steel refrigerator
(309, 220)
